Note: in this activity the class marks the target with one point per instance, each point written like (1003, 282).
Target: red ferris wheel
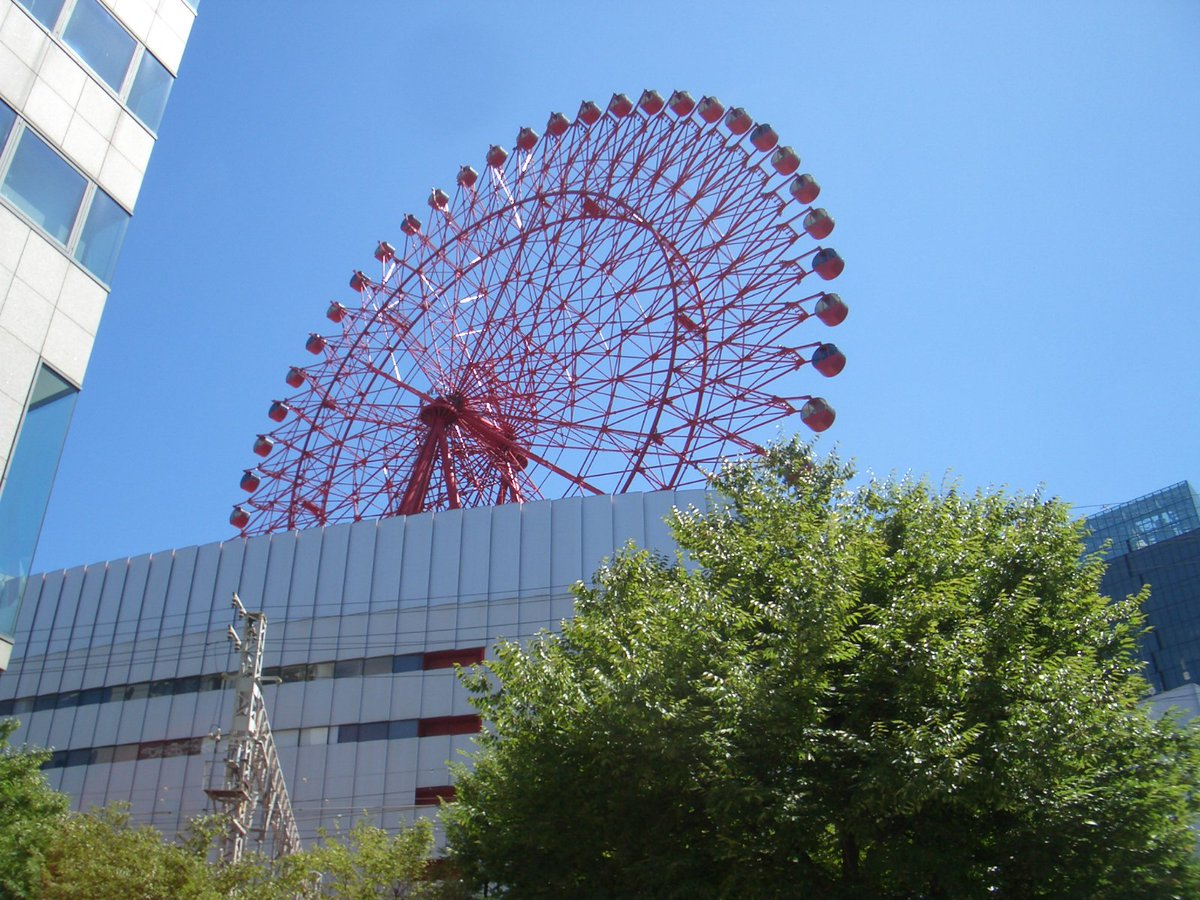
(614, 305)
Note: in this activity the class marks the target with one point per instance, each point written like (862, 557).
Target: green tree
(30, 815)
(881, 692)
(368, 863)
(102, 855)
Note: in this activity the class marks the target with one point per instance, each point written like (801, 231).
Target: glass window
(314, 736)
(348, 668)
(44, 186)
(402, 728)
(407, 662)
(45, 11)
(373, 731)
(289, 674)
(100, 41)
(320, 670)
(102, 236)
(27, 489)
(378, 665)
(7, 117)
(150, 90)
(139, 691)
(94, 695)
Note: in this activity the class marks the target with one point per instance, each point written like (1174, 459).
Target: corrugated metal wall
(110, 652)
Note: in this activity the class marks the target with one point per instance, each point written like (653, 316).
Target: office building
(83, 86)
(1155, 540)
(120, 665)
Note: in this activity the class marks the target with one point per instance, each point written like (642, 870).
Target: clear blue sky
(1015, 184)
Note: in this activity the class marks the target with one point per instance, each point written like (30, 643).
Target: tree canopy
(884, 691)
(30, 815)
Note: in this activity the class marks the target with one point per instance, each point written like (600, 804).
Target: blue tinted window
(44, 186)
(45, 11)
(7, 117)
(26, 490)
(100, 42)
(102, 235)
(150, 90)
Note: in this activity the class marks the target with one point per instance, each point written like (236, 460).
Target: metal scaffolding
(253, 795)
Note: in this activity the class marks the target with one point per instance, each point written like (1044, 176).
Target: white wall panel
(347, 701)
(285, 705)
(352, 636)
(414, 575)
(153, 617)
(406, 696)
(441, 626)
(181, 721)
(179, 592)
(503, 619)
(131, 716)
(103, 728)
(83, 731)
(445, 558)
(228, 580)
(31, 602)
(410, 629)
(281, 558)
(506, 552)
(389, 557)
(628, 521)
(294, 638)
(360, 559)
(58, 732)
(474, 566)
(35, 729)
(51, 675)
(437, 693)
(535, 549)
(133, 595)
(432, 755)
(331, 577)
(204, 583)
(597, 529)
(376, 698)
(120, 782)
(254, 574)
(45, 623)
(307, 562)
(72, 779)
(566, 542)
(381, 633)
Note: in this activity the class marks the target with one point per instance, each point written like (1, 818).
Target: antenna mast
(253, 796)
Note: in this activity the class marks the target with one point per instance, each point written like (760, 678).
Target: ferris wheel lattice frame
(609, 307)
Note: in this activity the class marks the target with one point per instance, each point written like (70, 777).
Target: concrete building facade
(83, 85)
(119, 666)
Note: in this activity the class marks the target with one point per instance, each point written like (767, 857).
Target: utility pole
(253, 795)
